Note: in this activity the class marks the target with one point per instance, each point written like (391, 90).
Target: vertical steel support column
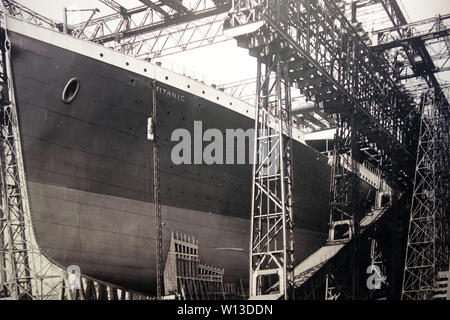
(442, 188)
(157, 199)
(3, 270)
(355, 204)
(272, 242)
(14, 250)
(419, 272)
(343, 187)
(344, 206)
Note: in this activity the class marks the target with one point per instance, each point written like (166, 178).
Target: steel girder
(412, 41)
(344, 181)
(272, 226)
(427, 246)
(443, 190)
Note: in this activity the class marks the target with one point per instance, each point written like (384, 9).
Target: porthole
(70, 90)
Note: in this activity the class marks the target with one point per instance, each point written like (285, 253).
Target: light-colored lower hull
(112, 238)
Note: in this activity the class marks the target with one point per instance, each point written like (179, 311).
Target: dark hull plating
(89, 170)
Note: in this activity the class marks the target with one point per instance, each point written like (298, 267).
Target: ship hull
(112, 238)
(89, 169)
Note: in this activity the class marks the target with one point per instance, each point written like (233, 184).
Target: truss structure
(18, 10)
(442, 243)
(272, 237)
(344, 187)
(428, 222)
(336, 70)
(156, 28)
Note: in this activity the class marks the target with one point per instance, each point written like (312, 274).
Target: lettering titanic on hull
(147, 84)
(170, 93)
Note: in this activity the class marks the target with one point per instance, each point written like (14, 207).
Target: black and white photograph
(204, 154)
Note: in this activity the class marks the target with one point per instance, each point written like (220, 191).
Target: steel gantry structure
(319, 53)
(272, 225)
(326, 56)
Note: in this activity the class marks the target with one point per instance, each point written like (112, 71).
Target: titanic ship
(83, 111)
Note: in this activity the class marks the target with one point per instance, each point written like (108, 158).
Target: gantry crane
(314, 47)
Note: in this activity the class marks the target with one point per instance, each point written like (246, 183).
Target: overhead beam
(114, 5)
(176, 5)
(155, 7)
(110, 17)
(411, 40)
(405, 26)
(172, 20)
(424, 73)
